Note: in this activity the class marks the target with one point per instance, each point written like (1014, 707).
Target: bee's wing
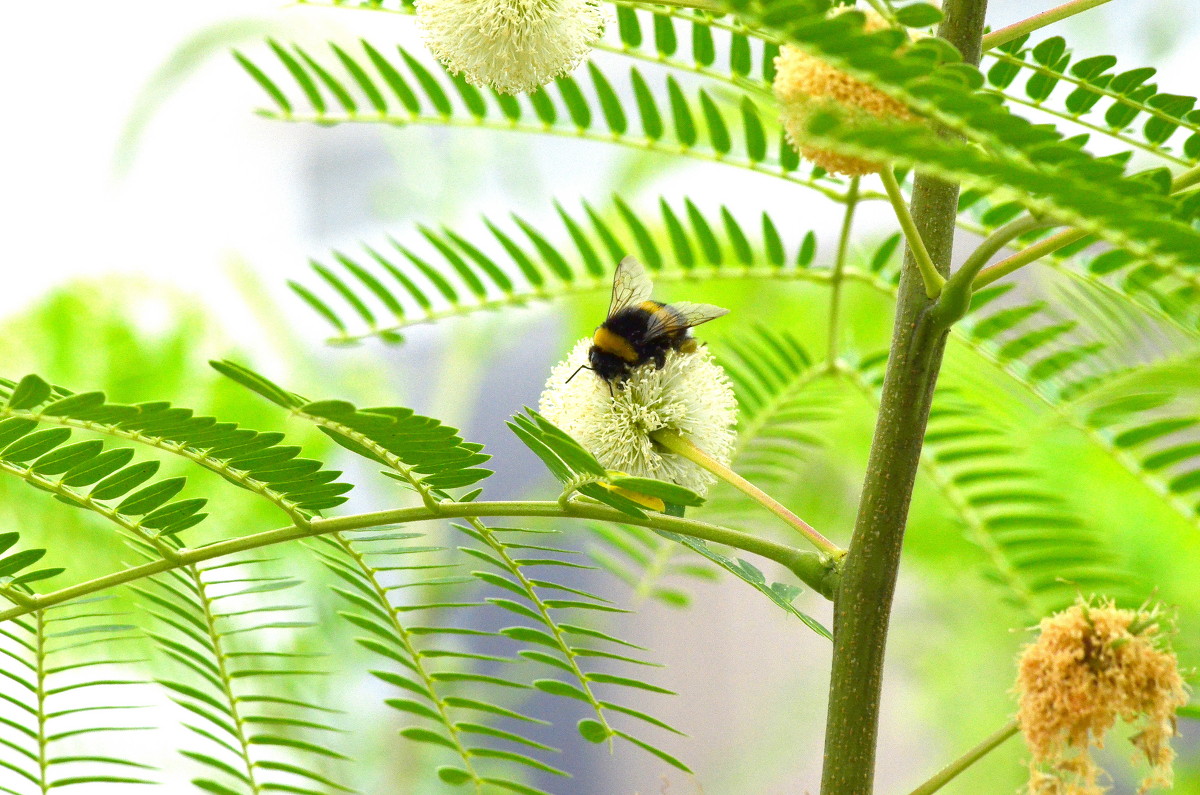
(676, 318)
(631, 285)
(690, 314)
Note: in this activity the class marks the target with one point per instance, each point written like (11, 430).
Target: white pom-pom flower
(690, 396)
(510, 45)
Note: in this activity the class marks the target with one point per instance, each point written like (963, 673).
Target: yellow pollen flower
(804, 84)
(1091, 665)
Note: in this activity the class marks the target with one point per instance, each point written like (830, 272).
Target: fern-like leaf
(1091, 92)
(1151, 435)
(1031, 164)
(65, 683)
(254, 461)
(686, 244)
(669, 119)
(1038, 551)
(254, 737)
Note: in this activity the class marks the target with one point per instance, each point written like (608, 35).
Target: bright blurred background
(151, 221)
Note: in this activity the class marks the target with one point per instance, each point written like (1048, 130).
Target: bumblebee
(639, 330)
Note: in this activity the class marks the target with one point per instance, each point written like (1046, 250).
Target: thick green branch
(813, 569)
(863, 598)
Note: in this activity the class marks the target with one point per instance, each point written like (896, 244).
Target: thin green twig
(1026, 256)
(946, 774)
(884, 9)
(839, 267)
(929, 274)
(1181, 182)
(811, 568)
(1038, 21)
(955, 299)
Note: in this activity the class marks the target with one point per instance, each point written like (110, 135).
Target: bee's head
(607, 365)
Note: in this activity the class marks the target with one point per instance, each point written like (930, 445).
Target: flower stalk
(680, 446)
(839, 270)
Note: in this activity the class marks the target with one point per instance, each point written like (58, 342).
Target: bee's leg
(660, 360)
(689, 345)
(611, 394)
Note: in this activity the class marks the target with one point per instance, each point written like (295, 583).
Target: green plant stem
(986, 276)
(1025, 256)
(811, 568)
(955, 299)
(839, 270)
(884, 9)
(946, 774)
(1038, 21)
(1186, 179)
(700, 5)
(677, 444)
(863, 597)
(916, 244)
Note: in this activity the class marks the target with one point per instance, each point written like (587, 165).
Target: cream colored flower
(804, 84)
(691, 396)
(510, 45)
(1091, 665)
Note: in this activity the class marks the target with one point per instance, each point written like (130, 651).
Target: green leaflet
(419, 450)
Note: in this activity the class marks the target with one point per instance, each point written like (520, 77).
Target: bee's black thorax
(631, 338)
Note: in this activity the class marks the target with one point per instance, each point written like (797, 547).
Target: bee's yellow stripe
(612, 343)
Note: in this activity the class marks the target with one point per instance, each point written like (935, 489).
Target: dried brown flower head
(804, 84)
(1091, 665)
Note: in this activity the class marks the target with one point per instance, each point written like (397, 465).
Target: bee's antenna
(577, 369)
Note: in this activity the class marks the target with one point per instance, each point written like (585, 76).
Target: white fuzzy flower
(510, 45)
(691, 396)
